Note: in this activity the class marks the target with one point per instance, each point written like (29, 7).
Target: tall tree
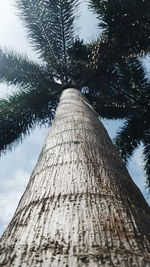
(109, 68)
(80, 208)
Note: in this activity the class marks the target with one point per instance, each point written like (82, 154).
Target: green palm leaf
(20, 112)
(50, 26)
(18, 70)
(125, 23)
(146, 154)
(122, 82)
(129, 137)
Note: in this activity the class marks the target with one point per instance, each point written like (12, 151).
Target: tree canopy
(108, 69)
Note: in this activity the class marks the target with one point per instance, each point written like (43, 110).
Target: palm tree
(109, 68)
(81, 207)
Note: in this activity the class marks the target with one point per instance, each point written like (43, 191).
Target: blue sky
(17, 165)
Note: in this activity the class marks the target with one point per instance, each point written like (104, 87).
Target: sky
(16, 165)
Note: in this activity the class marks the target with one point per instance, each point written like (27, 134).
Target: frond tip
(16, 69)
(146, 154)
(129, 137)
(20, 112)
(50, 25)
(126, 23)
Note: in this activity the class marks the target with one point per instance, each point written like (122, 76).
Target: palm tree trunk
(80, 208)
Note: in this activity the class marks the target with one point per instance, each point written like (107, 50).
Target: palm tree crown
(109, 68)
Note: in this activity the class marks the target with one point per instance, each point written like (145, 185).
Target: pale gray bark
(80, 208)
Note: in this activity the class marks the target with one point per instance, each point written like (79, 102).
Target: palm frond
(18, 70)
(123, 82)
(50, 25)
(111, 106)
(132, 81)
(126, 23)
(129, 137)
(78, 63)
(146, 154)
(114, 112)
(20, 112)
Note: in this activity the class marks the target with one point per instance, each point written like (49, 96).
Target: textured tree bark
(80, 208)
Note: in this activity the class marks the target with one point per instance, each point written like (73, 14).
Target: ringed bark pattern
(81, 207)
